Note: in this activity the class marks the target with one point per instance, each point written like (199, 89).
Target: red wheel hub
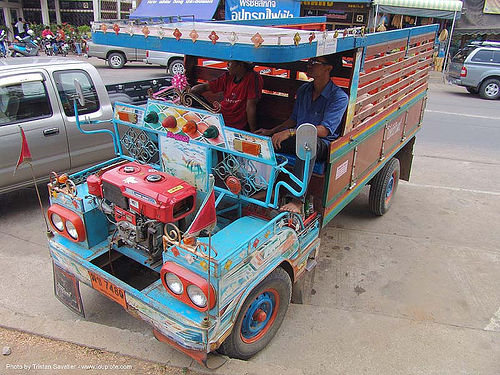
(260, 316)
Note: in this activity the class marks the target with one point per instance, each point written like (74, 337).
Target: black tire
(383, 187)
(176, 67)
(240, 344)
(116, 60)
(490, 89)
(472, 90)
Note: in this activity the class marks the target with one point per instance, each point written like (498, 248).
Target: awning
(421, 8)
(202, 10)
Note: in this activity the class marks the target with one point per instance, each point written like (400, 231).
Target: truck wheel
(383, 187)
(490, 89)
(116, 60)
(260, 316)
(472, 90)
(176, 67)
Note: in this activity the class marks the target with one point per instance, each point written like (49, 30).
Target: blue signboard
(202, 10)
(261, 9)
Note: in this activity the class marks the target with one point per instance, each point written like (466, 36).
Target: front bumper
(173, 322)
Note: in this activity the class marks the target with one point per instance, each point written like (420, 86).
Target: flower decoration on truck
(104, 28)
(194, 35)
(213, 37)
(116, 28)
(257, 40)
(296, 39)
(233, 38)
(177, 34)
(179, 81)
(145, 31)
(312, 36)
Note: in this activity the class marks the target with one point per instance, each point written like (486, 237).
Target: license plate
(109, 289)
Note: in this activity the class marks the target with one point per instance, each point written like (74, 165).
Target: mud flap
(67, 289)
(302, 290)
(211, 360)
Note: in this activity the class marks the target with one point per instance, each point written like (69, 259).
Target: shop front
(339, 14)
(398, 14)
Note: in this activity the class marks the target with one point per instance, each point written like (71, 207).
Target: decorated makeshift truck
(173, 229)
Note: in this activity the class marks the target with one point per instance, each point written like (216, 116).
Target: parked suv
(477, 68)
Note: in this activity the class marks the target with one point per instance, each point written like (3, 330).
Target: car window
(483, 55)
(496, 57)
(462, 54)
(23, 102)
(65, 82)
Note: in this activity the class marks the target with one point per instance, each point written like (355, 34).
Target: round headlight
(197, 296)
(57, 222)
(174, 283)
(70, 228)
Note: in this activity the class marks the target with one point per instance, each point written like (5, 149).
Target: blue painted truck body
(252, 238)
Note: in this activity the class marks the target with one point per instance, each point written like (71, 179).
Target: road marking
(454, 189)
(494, 324)
(462, 114)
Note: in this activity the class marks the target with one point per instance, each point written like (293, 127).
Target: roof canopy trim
(446, 5)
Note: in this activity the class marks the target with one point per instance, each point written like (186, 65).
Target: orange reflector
(62, 178)
(189, 240)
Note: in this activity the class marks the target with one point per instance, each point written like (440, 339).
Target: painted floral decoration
(257, 40)
(145, 31)
(193, 35)
(177, 34)
(296, 39)
(213, 37)
(116, 28)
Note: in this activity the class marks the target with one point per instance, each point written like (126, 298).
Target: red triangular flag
(206, 218)
(25, 156)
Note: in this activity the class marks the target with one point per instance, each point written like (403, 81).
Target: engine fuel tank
(146, 191)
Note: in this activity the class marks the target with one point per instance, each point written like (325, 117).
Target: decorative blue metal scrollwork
(140, 146)
(244, 170)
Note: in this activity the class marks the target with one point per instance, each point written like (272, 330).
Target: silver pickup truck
(117, 57)
(38, 94)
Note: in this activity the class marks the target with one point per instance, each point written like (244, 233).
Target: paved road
(415, 291)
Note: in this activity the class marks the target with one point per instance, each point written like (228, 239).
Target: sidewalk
(32, 354)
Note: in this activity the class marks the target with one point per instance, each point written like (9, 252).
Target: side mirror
(306, 138)
(79, 93)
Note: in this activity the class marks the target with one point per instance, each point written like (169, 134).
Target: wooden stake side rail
(395, 96)
(368, 82)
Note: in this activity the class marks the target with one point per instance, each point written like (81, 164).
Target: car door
(479, 63)
(27, 100)
(85, 149)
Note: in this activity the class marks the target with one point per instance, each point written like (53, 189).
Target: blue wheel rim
(390, 188)
(251, 328)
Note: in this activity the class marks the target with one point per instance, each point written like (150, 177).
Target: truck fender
(279, 262)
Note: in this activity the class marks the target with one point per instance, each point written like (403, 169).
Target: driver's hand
(280, 137)
(266, 132)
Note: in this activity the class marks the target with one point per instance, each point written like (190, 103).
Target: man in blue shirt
(320, 103)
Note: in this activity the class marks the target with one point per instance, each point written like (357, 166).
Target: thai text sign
(261, 9)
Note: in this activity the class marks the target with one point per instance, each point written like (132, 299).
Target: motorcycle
(48, 45)
(60, 47)
(3, 44)
(26, 46)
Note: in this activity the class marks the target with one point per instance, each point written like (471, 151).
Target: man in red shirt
(242, 88)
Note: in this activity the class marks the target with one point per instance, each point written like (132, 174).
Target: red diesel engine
(142, 200)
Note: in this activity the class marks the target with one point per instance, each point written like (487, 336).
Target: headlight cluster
(187, 286)
(66, 222)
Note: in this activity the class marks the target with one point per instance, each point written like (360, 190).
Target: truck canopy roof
(230, 41)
